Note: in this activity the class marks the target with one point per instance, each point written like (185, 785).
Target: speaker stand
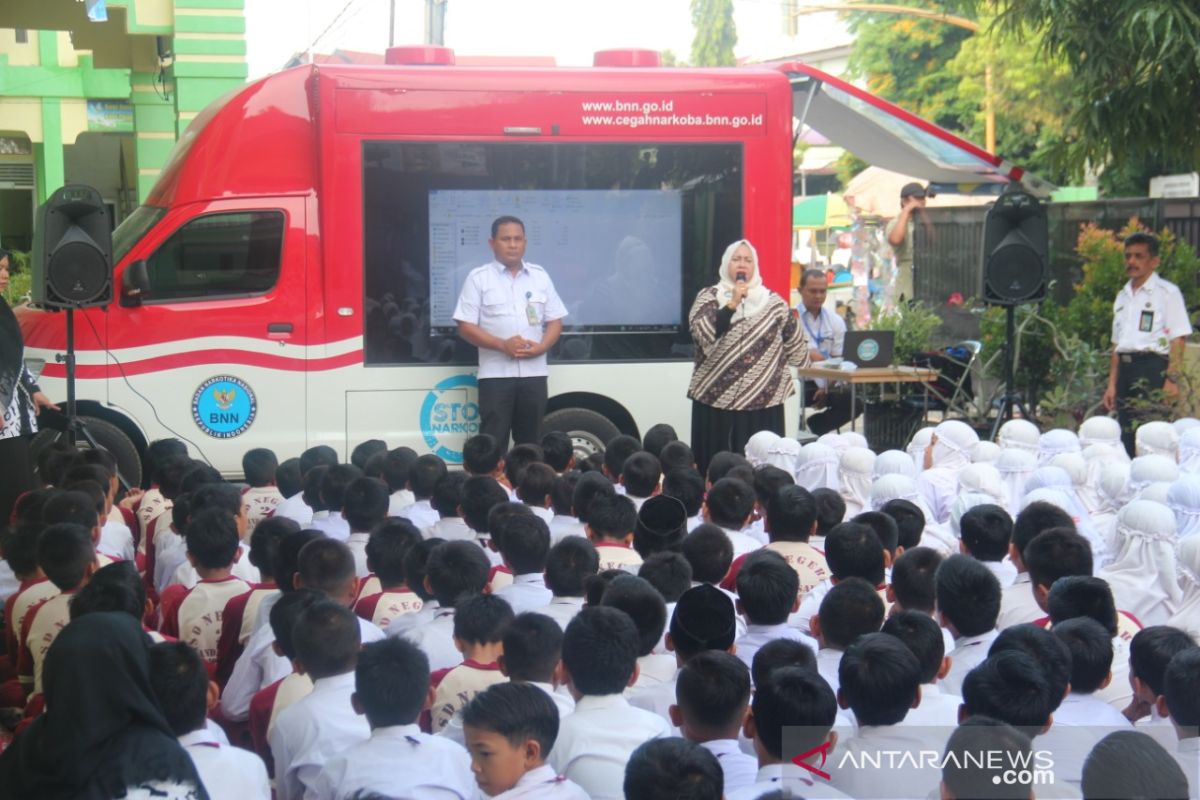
(1012, 398)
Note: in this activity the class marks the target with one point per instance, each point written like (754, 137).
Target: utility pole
(391, 23)
(435, 21)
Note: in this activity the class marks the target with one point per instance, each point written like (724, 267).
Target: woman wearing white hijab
(817, 467)
(758, 445)
(1184, 499)
(1143, 578)
(1015, 465)
(1189, 451)
(894, 462)
(918, 445)
(1187, 567)
(746, 341)
(985, 452)
(1019, 433)
(784, 453)
(901, 487)
(1104, 431)
(1056, 442)
(1066, 500)
(1145, 470)
(855, 439)
(1156, 438)
(950, 451)
(854, 473)
(984, 479)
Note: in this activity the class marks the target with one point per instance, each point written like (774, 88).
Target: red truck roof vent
(419, 55)
(627, 57)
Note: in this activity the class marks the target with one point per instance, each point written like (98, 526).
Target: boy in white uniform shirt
(1084, 596)
(609, 521)
(911, 586)
(1017, 603)
(1181, 703)
(791, 519)
(299, 506)
(524, 541)
(479, 624)
(564, 523)
(422, 481)
(713, 693)
(1091, 670)
(480, 494)
(645, 606)
(447, 499)
(454, 570)
(397, 465)
(852, 550)
(987, 536)
(730, 504)
(569, 564)
(510, 730)
(766, 587)
(391, 687)
(687, 486)
(334, 483)
(674, 768)
(262, 496)
(180, 682)
(640, 475)
(534, 488)
(387, 551)
(850, 610)
(1149, 654)
(968, 601)
(324, 723)
(600, 650)
(923, 636)
(364, 506)
(558, 452)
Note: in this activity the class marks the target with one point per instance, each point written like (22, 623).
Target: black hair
(179, 681)
(1047, 651)
(593, 462)
(480, 494)
(563, 492)
(595, 585)
(674, 768)
(499, 515)
(853, 550)
(288, 478)
(677, 455)
(884, 526)
(713, 690)
(201, 474)
(507, 219)
(524, 542)
(1057, 553)
(913, 579)
(18, 546)
(98, 473)
(391, 680)
(1082, 596)
(311, 493)
(1010, 686)
(641, 473)
(591, 485)
(179, 512)
(1142, 237)
(968, 772)
(212, 538)
(426, 471)
(730, 502)
(537, 481)
(287, 557)
(363, 451)
(321, 455)
(64, 552)
(334, 483)
(455, 569)
(375, 466)
(669, 573)
(170, 475)
(158, 453)
(657, 437)
(259, 465)
(448, 494)
(850, 609)
(223, 496)
(283, 616)
(481, 454)
(780, 653)
(880, 678)
(986, 531)
(96, 496)
(532, 648)
(481, 618)
(29, 506)
(415, 561)
(644, 605)
(1091, 652)
(710, 553)
(831, 510)
(569, 564)
(619, 448)
(1151, 650)
(791, 696)
(518, 459)
(365, 502)
(923, 636)
(611, 516)
(70, 508)
(100, 456)
(720, 464)
(1037, 518)
(397, 466)
(686, 486)
(968, 595)
(600, 650)
(1132, 764)
(769, 479)
(557, 450)
(1179, 686)
(54, 461)
(910, 521)
(264, 543)
(327, 639)
(767, 586)
(518, 712)
(326, 565)
(113, 587)
(387, 547)
(791, 514)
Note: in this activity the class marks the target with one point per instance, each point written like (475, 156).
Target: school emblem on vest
(450, 415)
(867, 349)
(224, 407)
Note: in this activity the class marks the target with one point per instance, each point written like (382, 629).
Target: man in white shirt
(826, 332)
(924, 637)
(968, 602)
(511, 312)
(766, 587)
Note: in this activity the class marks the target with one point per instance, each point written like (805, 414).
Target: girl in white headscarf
(854, 473)
(964, 503)
(784, 453)
(901, 487)
(1065, 499)
(1189, 451)
(1156, 438)
(1112, 491)
(1184, 499)
(1145, 470)
(1095, 457)
(1104, 431)
(1019, 433)
(758, 445)
(1015, 465)
(817, 467)
(918, 445)
(833, 440)
(1185, 424)
(985, 452)
(894, 462)
(984, 479)
(1074, 465)
(1143, 578)
(1155, 491)
(1056, 442)
(950, 451)
(854, 439)
(1187, 567)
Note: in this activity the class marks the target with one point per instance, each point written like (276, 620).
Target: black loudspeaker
(72, 250)
(1016, 250)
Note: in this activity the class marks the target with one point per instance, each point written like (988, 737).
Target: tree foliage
(716, 34)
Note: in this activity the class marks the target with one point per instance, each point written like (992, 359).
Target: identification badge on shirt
(531, 314)
(1146, 321)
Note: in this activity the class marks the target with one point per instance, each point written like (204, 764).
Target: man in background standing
(900, 233)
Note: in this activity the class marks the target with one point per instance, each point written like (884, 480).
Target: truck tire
(108, 436)
(588, 430)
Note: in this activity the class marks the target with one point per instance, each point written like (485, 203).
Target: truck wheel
(588, 430)
(108, 436)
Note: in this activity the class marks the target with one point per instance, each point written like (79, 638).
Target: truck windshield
(133, 228)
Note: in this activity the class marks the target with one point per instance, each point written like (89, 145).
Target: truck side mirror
(135, 281)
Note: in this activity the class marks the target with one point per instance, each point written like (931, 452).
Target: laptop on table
(869, 349)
